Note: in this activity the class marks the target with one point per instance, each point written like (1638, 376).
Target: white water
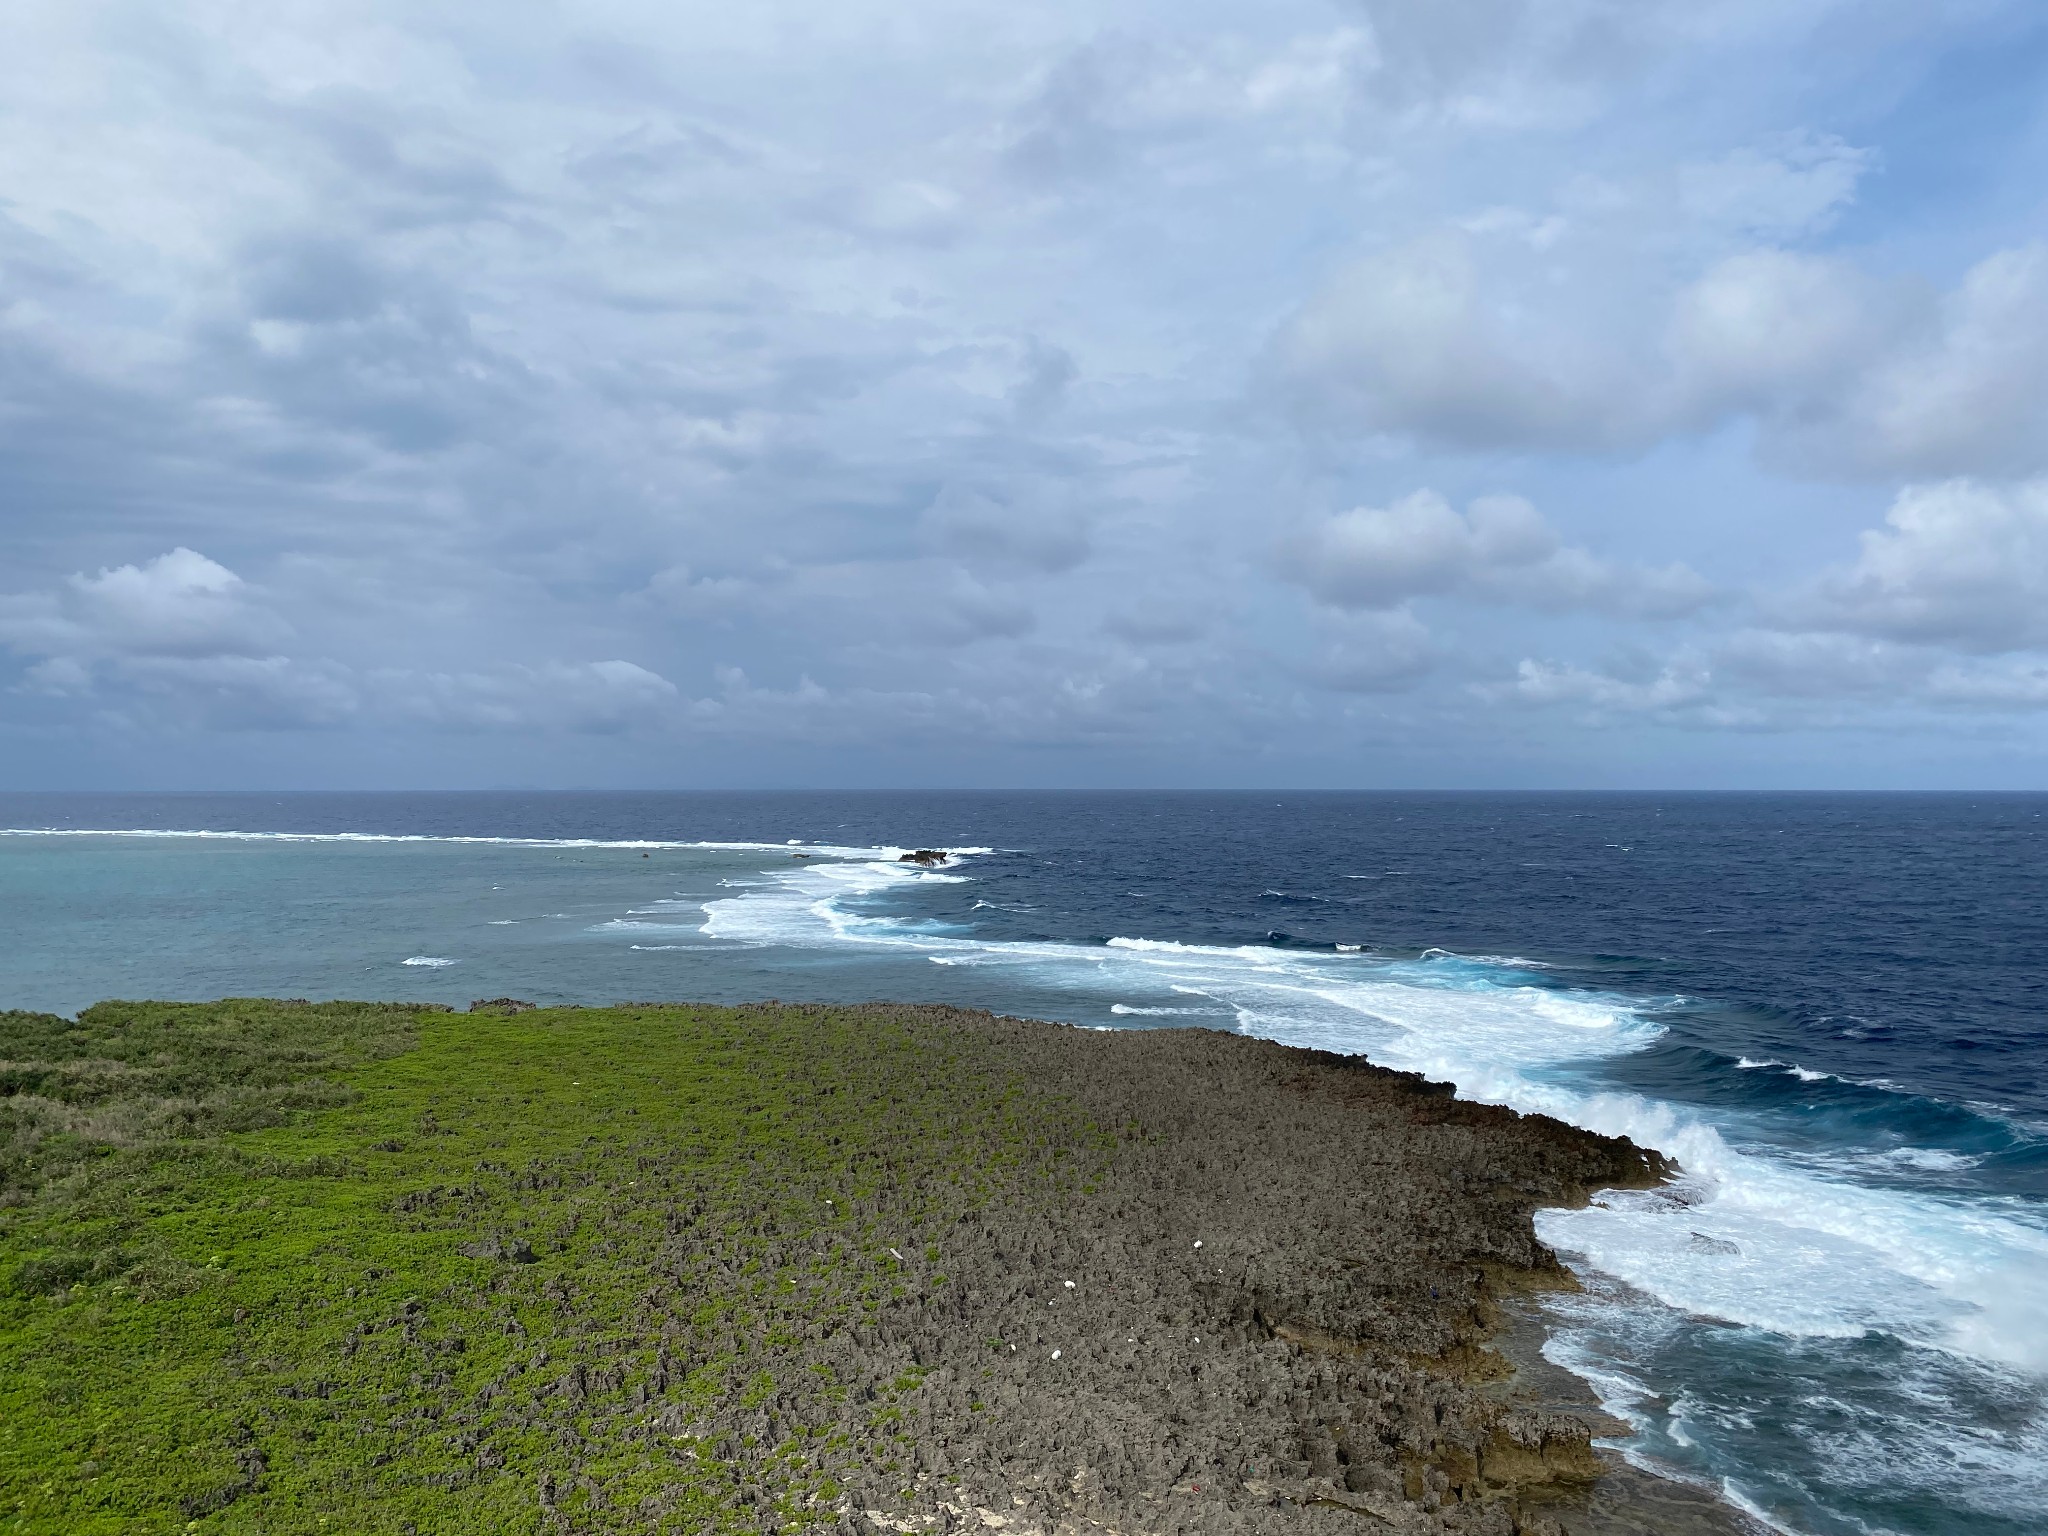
(822, 850)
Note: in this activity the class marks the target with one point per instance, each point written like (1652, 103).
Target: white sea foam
(1255, 953)
(1734, 1494)
(1818, 1436)
(801, 906)
(430, 962)
(1931, 1158)
(641, 844)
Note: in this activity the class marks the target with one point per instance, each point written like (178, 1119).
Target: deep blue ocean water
(1832, 1009)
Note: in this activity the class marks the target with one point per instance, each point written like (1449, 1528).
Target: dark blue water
(1832, 1008)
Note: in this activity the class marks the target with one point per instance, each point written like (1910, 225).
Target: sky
(1316, 393)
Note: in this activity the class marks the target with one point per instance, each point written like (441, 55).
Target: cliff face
(856, 1269)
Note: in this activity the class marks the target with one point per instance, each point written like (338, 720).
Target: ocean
(1831, 1009)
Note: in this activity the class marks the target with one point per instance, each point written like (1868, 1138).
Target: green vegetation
(279, 1267)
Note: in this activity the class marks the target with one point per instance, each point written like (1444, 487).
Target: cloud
(1025, 528)
(1124, 98)
(1769, 331)
(1161, 617)
(178, 633)
(1820, 667)
(1675, 687)
(1789, 188)
(601, 697)
(1048, 371)
(273, 693)
(179, 604)
(1408, 341)
(1964, 392)
(188, 642)
(1458, 340)
(966, 611)
(1770, 679)
(2021, 686)
(1959, 563)
(967, 366)
(1508, 65)
(1499, 549)
(1371, 653)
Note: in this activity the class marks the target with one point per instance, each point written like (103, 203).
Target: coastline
(876, 1268)
(1625, 1500)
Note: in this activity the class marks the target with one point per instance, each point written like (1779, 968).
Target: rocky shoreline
(276, 1266)
(1282, 1311)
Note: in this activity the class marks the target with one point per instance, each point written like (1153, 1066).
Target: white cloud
(1500, 549)
(1549, 682)
(1409, 341)
(1772, 330)
(1786, 190)
(1968, 393)
(181, 631)
(179, 604)
(1765, 678)
(1958, 563)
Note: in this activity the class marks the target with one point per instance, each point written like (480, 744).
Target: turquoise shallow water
(1830, 1009)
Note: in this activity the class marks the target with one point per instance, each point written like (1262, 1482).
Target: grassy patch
(284, 1267)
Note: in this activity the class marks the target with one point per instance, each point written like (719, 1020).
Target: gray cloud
(1455, 339)
(179, 637)
(1371, 653)
(599, 696)
(989, 527)
(693, 376)
(185, 640)
(1048, 371)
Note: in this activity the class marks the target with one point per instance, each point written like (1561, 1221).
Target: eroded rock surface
(1270, 1314)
